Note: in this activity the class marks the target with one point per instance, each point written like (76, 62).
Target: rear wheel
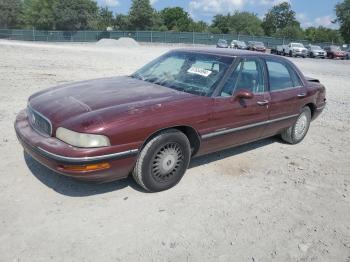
(163, 161)
(296, 133)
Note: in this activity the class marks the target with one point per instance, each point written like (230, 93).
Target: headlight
(81, 139)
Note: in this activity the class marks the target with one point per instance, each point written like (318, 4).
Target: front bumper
(56, 154)
(298, 53)
(322, 55)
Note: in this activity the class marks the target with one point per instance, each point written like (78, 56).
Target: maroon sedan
(186, 103)
(334, 52)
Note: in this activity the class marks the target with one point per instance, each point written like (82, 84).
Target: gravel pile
(121, 42)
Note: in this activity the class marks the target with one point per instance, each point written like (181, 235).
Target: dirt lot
(265, 201)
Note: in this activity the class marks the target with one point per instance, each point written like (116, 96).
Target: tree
(322, 34)
(342, 11)
(39, 14)
(245, 23)
(74, 14)
(157, 22)
(141, 15)
(279, 17)
(10, 13)
(199, 26)
(175, 18)
(238, 22)
(290, 32)
(221, 22)
(105, 18)
(121, 22)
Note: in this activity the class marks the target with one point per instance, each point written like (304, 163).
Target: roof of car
(224, 52)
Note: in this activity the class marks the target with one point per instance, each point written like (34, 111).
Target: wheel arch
(190, 132)
(312, 107)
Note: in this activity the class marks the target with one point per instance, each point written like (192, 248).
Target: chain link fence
(141, 36)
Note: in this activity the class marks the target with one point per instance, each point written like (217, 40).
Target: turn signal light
(89, 167)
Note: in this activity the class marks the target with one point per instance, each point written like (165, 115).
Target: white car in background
(295, 49)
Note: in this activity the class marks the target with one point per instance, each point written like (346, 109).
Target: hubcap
(167, 162)
(300, 126)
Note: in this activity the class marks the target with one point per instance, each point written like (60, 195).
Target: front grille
(39, 122)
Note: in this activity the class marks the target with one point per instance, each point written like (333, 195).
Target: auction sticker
(199, 71)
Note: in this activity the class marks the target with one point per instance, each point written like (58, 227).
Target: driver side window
(248, 75)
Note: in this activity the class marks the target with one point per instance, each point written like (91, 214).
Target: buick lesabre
(186, 103)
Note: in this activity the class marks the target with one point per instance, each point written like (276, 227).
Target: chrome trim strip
(231, 130)
(80, 160)
(321, 107)
(41, 115)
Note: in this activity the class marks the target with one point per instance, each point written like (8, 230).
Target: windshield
(298, 45)
(242, 43)
(259, 43)
(335, 48)
(315, 47)
(222, 41)
(189, 72)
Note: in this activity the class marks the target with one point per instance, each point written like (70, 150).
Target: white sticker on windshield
(199, 71)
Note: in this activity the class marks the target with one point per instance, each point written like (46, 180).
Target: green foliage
(342, 11)
(105, 19)
(74, 14)
(221, 22)
(199, 26)
(175, 18)
(322, 34)
(157, 22)
(290, 32)
(214, 30)
(10, 13)
(40, 14)
(279, 21)
(246, 23)
(141, 15)
(279, 17)
(239, 22)
(121, 22)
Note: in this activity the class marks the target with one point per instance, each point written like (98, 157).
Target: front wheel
(296, 133)
(163, 161)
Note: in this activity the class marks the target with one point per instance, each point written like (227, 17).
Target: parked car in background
(347, 56)
(295, 50)
(222, 43)
(315, 51)
(186, 103)
(280, 50)
(335, 52)
(256, 46)
(236, 44)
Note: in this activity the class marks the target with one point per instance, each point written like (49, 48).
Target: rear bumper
(56, 154)
(318, 111)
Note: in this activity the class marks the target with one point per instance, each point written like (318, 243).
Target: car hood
(120, 94)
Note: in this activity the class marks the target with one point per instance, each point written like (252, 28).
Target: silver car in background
(236, 44)
(222, 43)
(316, 51)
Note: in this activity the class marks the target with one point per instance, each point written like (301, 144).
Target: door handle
(302, 95)
(262, 103)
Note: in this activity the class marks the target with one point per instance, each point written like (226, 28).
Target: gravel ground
(265, 201)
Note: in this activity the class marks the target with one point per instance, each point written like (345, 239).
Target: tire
(163, 161)
(290, 54)
(296, 133)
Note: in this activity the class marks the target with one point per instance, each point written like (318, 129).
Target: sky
(308, 12)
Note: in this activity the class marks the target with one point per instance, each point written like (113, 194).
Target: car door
(287, 94)
(236, 120)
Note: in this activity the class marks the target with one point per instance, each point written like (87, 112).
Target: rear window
(281, 77)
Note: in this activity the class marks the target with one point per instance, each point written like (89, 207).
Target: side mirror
(244, 94)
